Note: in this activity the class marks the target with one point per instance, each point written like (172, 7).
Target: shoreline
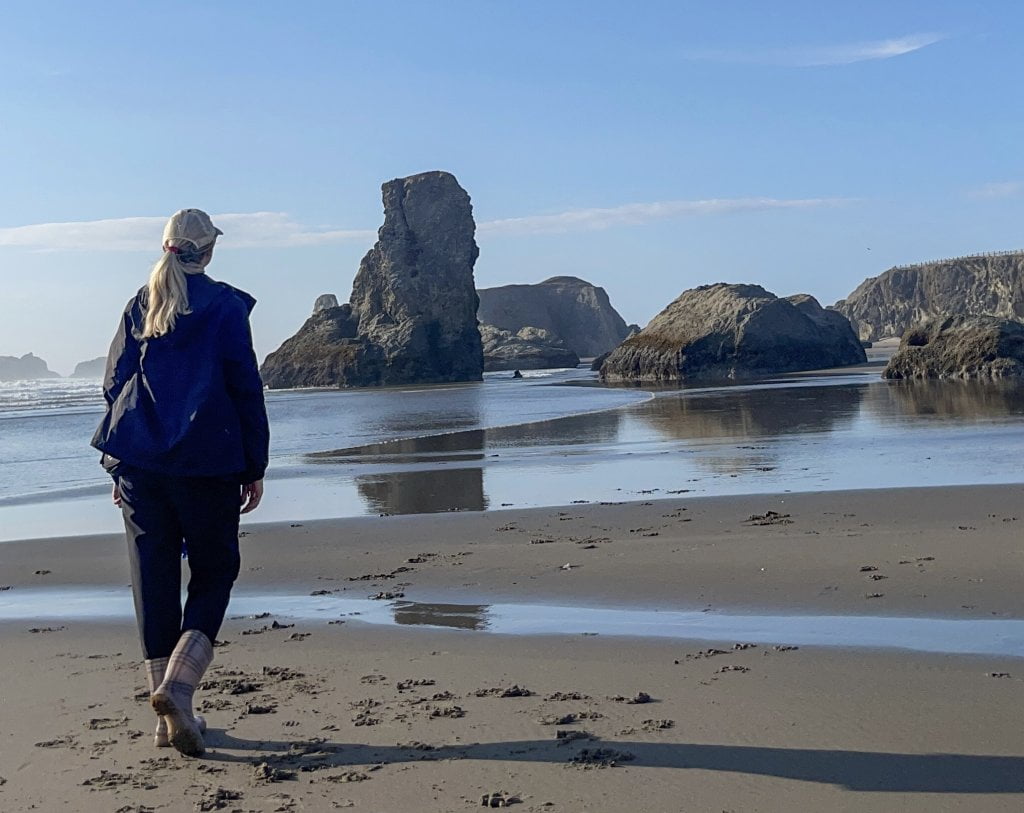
(326, 712)
(828, 430)
(616, 549)
(739, 721)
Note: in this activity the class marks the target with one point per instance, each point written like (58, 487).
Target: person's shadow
(854, 770)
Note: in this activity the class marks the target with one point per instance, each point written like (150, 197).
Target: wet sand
(349, 715)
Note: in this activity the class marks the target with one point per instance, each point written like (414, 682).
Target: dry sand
(326, 716)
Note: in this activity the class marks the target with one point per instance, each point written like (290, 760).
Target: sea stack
(411, 318)
(888, 305)
(960, 347)
(725, 331)
(576, 311)
(25, 368)
(93, 368)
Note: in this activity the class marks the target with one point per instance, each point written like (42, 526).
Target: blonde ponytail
(189, 237)
(168, 296)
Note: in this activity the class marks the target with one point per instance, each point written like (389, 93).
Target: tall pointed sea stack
(411, 318)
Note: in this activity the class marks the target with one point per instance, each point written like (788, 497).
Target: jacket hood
(204, 295)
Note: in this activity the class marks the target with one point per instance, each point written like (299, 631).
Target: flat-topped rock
(726, 331)
(571, 308)
(960, 347)
(411, 318)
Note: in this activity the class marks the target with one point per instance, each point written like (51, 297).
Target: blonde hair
(168, 286)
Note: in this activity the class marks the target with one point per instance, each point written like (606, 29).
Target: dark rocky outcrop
(726, 331)
(411, 318)
(94, 368)
(531, 348)
(834, 326)
(598, 362)
(575, 310)
(595, 365)
(960, 347)
(326, 352)
(890, 304)
(26, 368)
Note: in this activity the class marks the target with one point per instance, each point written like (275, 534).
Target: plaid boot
(173, 698)
(155, 669)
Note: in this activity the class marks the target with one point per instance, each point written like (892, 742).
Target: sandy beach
(335, 712)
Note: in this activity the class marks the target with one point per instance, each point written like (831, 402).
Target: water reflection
(798, 433)
(575, 430)
(424, 492)
(970, 400)
(1002, 637)
(456, 446)
(458, 616)
(753, 413)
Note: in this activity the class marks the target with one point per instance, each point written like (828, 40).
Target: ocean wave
(20, 398)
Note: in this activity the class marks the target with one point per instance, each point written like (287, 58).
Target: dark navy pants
(160, 514)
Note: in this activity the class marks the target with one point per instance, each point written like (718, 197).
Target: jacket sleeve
(245, 387)
(122, 359)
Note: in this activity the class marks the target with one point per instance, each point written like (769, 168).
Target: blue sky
(648, 146)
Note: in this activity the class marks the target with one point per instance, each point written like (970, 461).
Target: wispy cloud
(279, 230)
(634, 214)
(997, 189)
(246, 230)
(821, 55)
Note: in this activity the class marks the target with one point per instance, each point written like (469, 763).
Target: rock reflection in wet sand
(424, 492)
(459, 616)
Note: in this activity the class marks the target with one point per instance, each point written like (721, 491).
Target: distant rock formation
(26, 368)
(532, 348)
(727, 331)
(94, 368)
(325, 302)
(888, 305)
(960, 347)
(411, 318)
(573, 309)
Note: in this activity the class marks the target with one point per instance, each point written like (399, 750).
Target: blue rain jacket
(189, 403)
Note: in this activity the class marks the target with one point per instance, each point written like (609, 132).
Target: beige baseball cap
(193, 225)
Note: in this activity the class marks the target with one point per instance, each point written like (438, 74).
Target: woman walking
(185, 438)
